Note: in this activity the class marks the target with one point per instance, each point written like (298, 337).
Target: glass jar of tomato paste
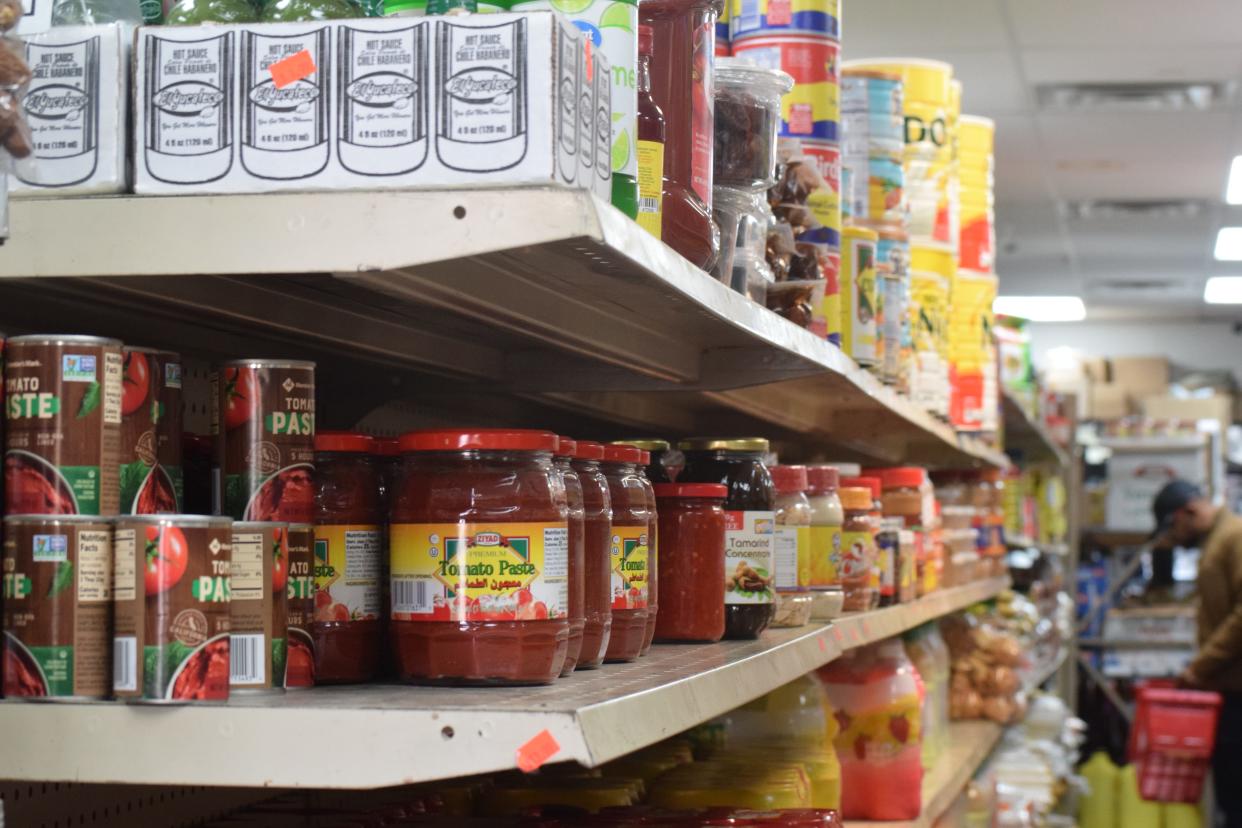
(628, 554)
(750, 599)
(565, 451)
(691, 563)
(347, 631)
(480, 557)
(653, 556)
(597, 581)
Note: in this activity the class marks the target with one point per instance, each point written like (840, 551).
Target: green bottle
(296, 11)
(195, 12)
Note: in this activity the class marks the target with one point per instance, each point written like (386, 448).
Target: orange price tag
(539, 749)
(590, 63)
(836, 632)
(823, 645)
(292, 69)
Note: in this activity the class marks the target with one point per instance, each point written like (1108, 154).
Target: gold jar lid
(724, 444)
(644, 444)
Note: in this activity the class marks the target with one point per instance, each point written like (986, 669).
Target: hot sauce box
(378, 103)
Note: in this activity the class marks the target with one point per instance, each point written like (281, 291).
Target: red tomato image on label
(280, 554)
(136, 382)
(167, 555)
(241, 396)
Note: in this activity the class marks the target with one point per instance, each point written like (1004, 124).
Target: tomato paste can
(152, 481)
(754, 18)
(859, 303)
(258, 606)
(171, 621)
(265, 443)
(63, 406)
(57, 577)
(300, 593)
(812, 108)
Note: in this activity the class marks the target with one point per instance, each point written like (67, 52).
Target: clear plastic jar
(565, 450)
(474, 512)
(827, 517)
(858, 553)
(792, 556)
(629, 553)
(692, 570)
(870, 481)
(597, 581)
(748, 115)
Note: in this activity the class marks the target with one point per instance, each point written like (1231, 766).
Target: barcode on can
(649, 205)
(125, 664)
(412, 595)
(246, 661)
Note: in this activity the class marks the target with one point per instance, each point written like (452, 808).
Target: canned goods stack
(802, 38)
(933, 268)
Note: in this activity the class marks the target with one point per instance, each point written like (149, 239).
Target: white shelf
(378, 735)
(970, 744)
(529, 291)
(1029, 434)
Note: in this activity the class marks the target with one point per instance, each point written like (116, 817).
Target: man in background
(1187, 518)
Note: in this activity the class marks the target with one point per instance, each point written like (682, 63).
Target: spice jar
(691, 562)
(858, 551)
(597, 580)
(888, 553)
(565, 450)
(750, 599)
(903, 497)
(653, 558)
(480, 555)
(628, 554)
(827, 516)
(791, 553)
(871, 482)
(349, 516)
(748, 114)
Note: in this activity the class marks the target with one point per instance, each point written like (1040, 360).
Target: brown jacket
(1219, 663)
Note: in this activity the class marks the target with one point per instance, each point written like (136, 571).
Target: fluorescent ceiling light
(1223, 290)
(1042, 308)
(1229, 244)
(1233, 190)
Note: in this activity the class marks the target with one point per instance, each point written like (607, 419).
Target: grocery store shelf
(1028, 435)
(969, 745)
(1133, 644)
(379, 735)
(1043, 672)
(525, 290)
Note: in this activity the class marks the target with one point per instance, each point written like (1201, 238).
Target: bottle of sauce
(565, 450)
(683, 54)
(597, 578)
(827, 517)
(857, 548)
(472, 504)
(628, 553)
(792, 541)
(651, 133)
(346, 629)
(750, 595)
(691, 562)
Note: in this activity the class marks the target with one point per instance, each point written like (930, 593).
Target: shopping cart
(1171, 740)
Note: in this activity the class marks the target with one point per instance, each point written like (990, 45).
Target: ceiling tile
(1106, 23)
(899, 27)
(1128, 64)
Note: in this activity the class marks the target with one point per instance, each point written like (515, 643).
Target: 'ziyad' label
(62, 107)
(383, 100)
(284, 129)
(480, 572)
(189, 136)
(481, 86)
(749, 552)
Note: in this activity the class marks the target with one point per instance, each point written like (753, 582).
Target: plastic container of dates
(748, 114)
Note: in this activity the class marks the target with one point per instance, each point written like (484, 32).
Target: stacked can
(933, 269)
(722, 31)
(977, 236)
(802, 38)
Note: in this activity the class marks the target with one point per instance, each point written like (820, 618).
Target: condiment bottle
(565, 450)
(597, 580)
(827, 516)
(629, 552)
(691, 562)
(651, 133)
(888, 553)
(791, 556)
(876, 487)
(750, 598)
(857, 548)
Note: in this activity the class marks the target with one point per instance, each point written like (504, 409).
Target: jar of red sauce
(629, 554)
(349, 517)
(653, 553)
(565, 451)
(691, 562)
(597, 578)
(750, 598)
(480, 557)
(388, 456)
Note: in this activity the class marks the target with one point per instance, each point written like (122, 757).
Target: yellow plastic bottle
(1182, 815)
(1099, 805)
(1132, 810)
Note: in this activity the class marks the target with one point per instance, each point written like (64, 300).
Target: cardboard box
(77, 107)
(1140, 376)
(374, 103)
(1107, 401)
(1218, 408)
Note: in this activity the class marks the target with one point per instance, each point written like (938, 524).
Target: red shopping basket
(1171, 741)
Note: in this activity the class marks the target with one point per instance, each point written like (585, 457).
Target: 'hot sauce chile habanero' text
(480, 554)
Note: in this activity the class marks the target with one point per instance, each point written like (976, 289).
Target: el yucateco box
(479, 100)
(77, 108)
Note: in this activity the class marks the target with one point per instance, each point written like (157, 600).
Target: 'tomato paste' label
(629, 560)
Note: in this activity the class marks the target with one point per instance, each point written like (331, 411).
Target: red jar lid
(789, 479)
(386, 447)
(354, 441)
(622, 454)
(718, 491)
(566, 447)
(481, 439)
(820, 479)
(646, 458)
(904, 477)
(588, 450)
(872, 483)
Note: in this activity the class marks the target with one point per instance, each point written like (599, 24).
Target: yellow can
(859, 303)
(922, 80)
(977, 137)
(932, 268)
